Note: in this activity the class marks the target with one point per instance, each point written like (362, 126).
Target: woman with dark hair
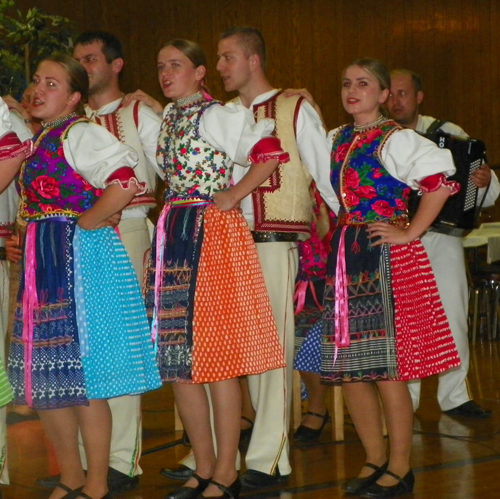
(80, 334)
(383, 322)
(211, 317)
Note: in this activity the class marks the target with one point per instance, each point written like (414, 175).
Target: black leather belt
(3, 253)
(274, 237)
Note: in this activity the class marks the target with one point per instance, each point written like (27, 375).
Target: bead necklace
(367, 126)
(191, 99)
(58, 121)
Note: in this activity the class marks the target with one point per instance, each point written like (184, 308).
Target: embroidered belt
(274, 237)
(3, 253)
(182, 202)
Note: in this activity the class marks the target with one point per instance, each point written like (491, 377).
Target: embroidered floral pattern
(49, 186)
(192, 167)
(367, 191)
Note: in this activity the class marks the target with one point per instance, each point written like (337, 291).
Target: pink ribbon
(341, 299)
(160, 239)
(300, 296)
(30, 304)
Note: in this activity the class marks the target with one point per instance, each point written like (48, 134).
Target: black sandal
(70, 493)
(230, 492)
(357, 485)
(306, 434)
(189, 492)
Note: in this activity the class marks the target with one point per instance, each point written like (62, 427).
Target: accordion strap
(434, 126)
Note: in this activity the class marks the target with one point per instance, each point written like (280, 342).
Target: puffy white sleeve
(95, 153)
(231, 129)
(314, 149)
(5, 124)
(409, 157)
(19, 127)
(149, 130)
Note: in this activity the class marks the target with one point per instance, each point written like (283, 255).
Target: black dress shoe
(182, 473)
(306, 434)
(469, 410)
(189, 492)
(119, 482)
(230, 492)
(404, 486)
(253, 479)
(357, 485)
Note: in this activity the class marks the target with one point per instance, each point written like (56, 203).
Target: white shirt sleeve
(95, 153)
(18, 126)
(409, 157)
(491, 194)
(5, 124)
(314, 149)
(231, 129)
(149, 130)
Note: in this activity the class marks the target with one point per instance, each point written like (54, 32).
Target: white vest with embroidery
(283, 202)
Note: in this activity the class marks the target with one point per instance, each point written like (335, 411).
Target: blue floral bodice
(366, 190)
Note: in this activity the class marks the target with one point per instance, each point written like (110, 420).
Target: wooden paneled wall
(452, 44)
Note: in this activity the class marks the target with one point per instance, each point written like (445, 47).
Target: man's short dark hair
(252, 40)
(111, 46)
(415, 78)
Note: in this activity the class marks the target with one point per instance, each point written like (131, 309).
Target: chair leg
(337, 412)
(296, 400)
(475, 315)
(496, 299)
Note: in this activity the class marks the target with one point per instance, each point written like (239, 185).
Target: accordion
(458, 214)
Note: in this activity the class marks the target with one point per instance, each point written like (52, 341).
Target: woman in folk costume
(383, 322)
(211, 317)
(80, 334)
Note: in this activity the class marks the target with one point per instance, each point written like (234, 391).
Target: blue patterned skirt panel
(89, 336)
(181, 250)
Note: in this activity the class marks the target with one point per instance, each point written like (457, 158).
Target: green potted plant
(25, 39)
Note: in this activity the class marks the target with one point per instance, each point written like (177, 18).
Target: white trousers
(4, 321)
(446, 255)
(126, 438)
(271, 392)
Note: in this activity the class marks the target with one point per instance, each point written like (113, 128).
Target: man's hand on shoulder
(146, 99)
(303, 92)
